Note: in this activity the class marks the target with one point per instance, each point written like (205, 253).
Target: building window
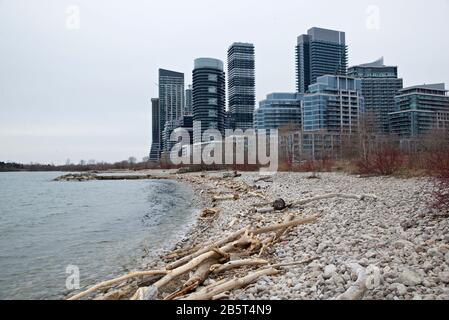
(212, 89)
(213, 113)
(213, 77)
(213, 101)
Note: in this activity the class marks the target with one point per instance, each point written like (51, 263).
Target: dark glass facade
(241, 85)
(188, 109)
(209, 96)
(171, 100)
(319, 52)
(155, 136)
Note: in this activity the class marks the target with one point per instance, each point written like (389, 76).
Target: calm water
(103, 227)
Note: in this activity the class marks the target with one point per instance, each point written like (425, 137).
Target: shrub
(385, 161)
(438, 167)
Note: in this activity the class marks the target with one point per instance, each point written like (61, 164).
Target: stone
(364, 262)
(427, 266)
(410, 278)
(321, 247)
(446, 257)
(329, 270)
(434, 252)
(443, 248)
(401, 289)
(444, 277)
(401, 244)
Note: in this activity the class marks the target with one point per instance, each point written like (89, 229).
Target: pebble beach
(405, 247)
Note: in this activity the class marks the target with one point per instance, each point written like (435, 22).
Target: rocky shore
(406, 246)
(400, 249)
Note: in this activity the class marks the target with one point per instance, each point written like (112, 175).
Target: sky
(76, 77)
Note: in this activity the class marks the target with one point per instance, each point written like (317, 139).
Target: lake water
(102, 227)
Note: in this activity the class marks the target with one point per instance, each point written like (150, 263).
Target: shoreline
(395, 238)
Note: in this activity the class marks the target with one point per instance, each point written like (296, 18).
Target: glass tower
(319, 52)
(171, 100)
(241, 85)
(155, 136)
(209, 96)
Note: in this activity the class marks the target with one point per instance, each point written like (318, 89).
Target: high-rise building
(209, 96)
(333, 104)
(155, 136)
(319, 52)
(241, 84)
(171, 99)
(380, 84)
(278, 110)
(419, 109)
(188, 109)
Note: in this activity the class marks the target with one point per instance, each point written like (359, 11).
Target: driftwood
(217, 244)
(110, 283)
(334, 195)
(247, 241)
(226, 197)
(281, 226)
(357, 290)
(216, 253)
(198, 277)
(265, 179)
(237, 264)
(271, 240)
(231, 284)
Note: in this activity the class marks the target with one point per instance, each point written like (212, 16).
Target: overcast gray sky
(82, 90)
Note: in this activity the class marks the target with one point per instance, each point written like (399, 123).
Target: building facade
(333, 104)
(278, 110)
(380, 84)
(241, 84)
(419, 109)
(155, 134)
(188, 110)
(319, 52)
(171, 100)
(209, 96)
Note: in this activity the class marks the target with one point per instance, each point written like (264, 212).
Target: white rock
(446, 257)
(329, 270)
(410, 278)
(444, 277)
